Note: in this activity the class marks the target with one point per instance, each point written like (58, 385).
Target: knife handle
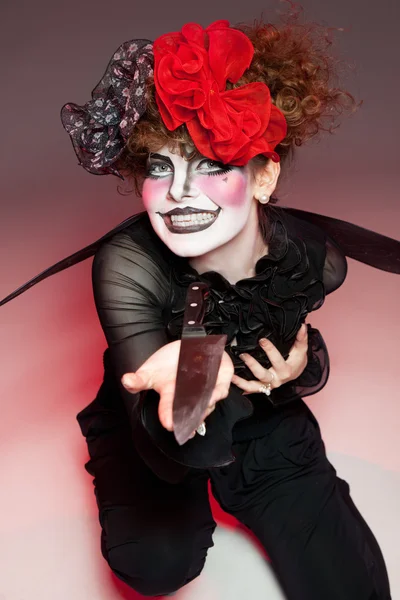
(194, 310)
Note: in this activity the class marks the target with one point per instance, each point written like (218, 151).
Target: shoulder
(322, 250)
(137, 238)
(309, 238)
(298, 227)
(134, 253)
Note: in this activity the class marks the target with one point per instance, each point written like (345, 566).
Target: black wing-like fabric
(70, 261)
(359, 243)
(356, 242)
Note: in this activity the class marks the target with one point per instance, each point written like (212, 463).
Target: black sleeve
(335, 266)
(130, 287)
(316, 374)
(326, 257)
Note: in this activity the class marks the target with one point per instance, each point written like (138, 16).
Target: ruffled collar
(273, 303)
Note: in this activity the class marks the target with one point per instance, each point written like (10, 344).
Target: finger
(258, 370)
(136, 382)
(301, 338)
(208, 412)
(165, 407)
(302, 332)
(299, 350)
(243, 384)
(253, 386)
(249, 387)
(275, 357)
(220, 392)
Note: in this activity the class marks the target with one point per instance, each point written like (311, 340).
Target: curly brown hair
(296, 63)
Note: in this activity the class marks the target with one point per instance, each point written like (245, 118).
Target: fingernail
(242, 356)
(264, 341)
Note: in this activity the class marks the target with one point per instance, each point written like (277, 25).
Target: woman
(203, 137)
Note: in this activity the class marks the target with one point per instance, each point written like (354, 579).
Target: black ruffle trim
(272, 304)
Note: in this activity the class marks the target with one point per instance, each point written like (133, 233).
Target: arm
(130, 287)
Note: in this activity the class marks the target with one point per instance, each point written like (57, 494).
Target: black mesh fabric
(140, 289)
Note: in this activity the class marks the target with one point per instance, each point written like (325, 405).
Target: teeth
(187, 220)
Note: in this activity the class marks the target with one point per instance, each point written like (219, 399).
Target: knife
(199, 361)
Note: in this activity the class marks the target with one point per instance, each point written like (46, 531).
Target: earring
(264, 199)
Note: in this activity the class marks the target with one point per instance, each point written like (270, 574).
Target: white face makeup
(196, 205)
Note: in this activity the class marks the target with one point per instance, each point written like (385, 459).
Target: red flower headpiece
(191, 69)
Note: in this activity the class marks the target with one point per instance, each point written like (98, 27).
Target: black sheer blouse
(140, 289)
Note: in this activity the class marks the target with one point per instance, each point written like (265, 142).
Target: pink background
(52, 343)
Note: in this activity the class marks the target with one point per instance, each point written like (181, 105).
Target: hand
(281, 371)
(159, 373)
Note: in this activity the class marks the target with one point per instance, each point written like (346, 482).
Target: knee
(154, 569)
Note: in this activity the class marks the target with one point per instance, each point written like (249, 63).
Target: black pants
(155, 535)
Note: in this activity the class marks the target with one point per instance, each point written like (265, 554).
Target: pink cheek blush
(228, 189)
(155, 191)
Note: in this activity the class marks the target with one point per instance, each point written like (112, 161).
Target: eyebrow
(161, 157)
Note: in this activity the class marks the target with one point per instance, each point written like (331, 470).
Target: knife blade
(199, 361)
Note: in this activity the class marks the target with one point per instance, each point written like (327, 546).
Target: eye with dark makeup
(158, 165)
(156, 168)
(220, 168)
(163, 163)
